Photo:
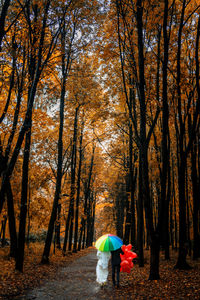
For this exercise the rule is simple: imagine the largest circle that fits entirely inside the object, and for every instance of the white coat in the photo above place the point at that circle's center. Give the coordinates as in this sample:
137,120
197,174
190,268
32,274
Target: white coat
102,266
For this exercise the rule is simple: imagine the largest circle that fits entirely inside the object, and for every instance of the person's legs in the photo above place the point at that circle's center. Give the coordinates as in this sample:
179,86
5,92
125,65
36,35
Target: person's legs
118,270
113,274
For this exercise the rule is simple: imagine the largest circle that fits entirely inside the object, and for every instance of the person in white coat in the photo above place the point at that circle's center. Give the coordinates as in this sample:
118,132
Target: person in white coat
102,267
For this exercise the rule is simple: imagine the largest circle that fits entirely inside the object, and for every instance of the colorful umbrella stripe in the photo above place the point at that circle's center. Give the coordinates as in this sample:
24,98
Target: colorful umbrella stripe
108,242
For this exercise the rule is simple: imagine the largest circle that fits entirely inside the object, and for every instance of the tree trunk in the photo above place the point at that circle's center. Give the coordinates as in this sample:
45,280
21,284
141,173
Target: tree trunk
57,228
78,190
171,224
23,208
28,214
132,175
144,191
70,216
93,217
89,211
188,213
87,206
84,235
66,235
196,196
2,19
196,185
11,78
119,208
66,54
175,225
48,241
3,231
133,221
143,146
19,259
11,221
167,207
154,258
140,219
183,245
174,208
164,203
127,230
80,236
181,158
73,178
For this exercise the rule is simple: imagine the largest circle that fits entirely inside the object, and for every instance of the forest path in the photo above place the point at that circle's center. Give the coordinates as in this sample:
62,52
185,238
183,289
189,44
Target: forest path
76,281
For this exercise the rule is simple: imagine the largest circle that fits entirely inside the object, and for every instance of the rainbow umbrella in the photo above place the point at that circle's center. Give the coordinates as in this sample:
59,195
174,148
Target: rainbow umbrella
108,242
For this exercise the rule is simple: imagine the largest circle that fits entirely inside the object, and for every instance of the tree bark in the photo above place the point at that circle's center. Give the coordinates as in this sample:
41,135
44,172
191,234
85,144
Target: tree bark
196,196
2,19
57,228
11,78
154,258
65,67
119,209
45,255
144,190
70,216
23,207
183,246
181,158
73,179
88,196
143,146
164,203
78,190
3,231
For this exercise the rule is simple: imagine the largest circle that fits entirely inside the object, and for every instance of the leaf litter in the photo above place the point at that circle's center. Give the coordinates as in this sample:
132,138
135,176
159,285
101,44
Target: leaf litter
174,284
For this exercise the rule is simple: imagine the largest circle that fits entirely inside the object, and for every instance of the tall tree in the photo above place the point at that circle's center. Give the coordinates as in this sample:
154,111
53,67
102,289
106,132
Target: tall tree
65,67
165,134
73,178
78,188
4,11
41,62
183,150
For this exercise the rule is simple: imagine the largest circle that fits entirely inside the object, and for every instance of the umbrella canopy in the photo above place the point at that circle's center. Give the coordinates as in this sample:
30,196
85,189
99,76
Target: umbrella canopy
108,242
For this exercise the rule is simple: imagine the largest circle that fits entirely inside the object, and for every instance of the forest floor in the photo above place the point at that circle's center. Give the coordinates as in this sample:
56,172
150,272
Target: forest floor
73,277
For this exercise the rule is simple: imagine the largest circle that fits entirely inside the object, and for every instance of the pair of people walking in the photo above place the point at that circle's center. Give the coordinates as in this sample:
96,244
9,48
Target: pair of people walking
102,266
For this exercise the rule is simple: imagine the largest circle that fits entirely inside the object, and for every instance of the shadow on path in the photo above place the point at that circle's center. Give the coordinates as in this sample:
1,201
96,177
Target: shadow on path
76,281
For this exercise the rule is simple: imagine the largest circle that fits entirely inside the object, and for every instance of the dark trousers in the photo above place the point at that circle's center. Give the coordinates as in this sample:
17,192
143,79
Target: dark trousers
114,269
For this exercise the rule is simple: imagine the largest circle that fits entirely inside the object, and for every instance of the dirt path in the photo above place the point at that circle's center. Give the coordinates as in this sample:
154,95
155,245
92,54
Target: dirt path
75,281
